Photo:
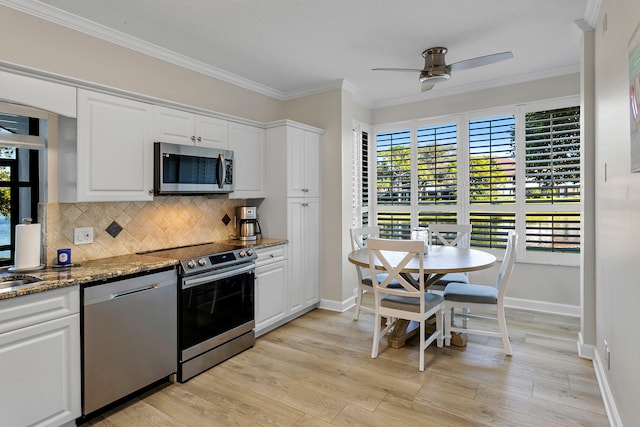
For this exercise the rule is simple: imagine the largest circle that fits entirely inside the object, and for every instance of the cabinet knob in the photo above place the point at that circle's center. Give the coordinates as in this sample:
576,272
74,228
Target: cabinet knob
305,204
193,138
199,139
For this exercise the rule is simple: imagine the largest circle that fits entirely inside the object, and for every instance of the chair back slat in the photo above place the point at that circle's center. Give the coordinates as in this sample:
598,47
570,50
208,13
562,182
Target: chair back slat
360,235
451,234
394,255
508,262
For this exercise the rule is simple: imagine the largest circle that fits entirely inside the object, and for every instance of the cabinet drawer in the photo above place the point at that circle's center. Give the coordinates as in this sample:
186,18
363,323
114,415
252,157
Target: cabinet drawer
19,312
270,255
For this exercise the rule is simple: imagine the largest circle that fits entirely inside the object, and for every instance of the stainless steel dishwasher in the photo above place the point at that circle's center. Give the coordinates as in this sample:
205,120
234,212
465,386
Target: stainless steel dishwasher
129,336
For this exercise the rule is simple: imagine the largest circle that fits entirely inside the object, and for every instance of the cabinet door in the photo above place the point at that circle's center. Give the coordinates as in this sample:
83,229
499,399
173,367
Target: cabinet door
115,150
311,210
175,126
271,294
211,132
312,164
304,252
296,185
41,373
248,145
297,268
303,163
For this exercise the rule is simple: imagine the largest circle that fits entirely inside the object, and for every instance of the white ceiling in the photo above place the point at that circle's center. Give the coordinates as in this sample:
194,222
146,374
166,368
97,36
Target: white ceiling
288,48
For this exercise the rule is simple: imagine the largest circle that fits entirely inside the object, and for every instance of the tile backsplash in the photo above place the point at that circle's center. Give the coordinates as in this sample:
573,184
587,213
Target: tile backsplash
166,222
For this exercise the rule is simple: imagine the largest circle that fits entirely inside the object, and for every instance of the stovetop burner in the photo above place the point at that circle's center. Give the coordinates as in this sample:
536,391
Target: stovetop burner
206,256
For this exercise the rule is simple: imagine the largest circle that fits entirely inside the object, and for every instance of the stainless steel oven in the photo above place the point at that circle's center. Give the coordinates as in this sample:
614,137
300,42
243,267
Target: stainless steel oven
215,305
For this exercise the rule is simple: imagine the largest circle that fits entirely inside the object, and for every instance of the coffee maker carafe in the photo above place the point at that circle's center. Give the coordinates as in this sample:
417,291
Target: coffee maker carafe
247,223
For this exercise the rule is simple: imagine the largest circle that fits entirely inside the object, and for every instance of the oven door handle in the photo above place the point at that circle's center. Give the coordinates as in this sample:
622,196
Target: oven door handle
190,283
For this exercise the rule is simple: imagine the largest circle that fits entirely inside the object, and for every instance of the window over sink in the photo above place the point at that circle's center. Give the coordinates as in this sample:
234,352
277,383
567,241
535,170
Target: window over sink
19,181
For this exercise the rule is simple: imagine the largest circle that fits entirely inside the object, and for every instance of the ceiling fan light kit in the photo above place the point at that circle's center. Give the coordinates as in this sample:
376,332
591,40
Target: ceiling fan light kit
436,69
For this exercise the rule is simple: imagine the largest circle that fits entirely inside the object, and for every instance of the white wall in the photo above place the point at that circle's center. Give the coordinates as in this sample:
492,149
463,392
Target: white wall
617,213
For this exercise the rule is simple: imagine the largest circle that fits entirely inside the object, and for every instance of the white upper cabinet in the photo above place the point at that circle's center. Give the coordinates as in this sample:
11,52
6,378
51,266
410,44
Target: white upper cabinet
181,127
248,146
114,149
303,163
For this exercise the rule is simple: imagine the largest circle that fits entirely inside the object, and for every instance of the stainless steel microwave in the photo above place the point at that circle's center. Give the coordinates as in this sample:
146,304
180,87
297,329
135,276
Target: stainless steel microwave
186,169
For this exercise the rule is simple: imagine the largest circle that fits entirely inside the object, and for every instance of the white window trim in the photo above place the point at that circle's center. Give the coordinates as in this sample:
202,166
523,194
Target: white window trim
463,207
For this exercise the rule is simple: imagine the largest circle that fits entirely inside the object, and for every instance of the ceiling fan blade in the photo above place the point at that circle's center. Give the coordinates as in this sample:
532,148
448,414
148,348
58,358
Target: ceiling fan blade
413,70
424,86
480,61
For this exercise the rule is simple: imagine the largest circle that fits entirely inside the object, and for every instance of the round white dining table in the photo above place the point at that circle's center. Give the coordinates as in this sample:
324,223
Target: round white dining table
439,261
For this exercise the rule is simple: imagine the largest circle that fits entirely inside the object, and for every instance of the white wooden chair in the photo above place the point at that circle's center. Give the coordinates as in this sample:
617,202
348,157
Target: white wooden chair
450,235
404,302
481,298
359,236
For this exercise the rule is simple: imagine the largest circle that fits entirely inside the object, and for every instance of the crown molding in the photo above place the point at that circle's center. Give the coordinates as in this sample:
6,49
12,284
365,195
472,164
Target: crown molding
102,32
57,16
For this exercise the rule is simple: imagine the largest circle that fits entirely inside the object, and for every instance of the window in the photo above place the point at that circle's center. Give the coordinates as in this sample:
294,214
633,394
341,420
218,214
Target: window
552,172
510,168
437,165
393,168
360,175
492,160
18,183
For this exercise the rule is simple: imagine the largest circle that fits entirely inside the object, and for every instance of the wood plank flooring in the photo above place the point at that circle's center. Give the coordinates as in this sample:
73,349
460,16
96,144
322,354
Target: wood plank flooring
317,371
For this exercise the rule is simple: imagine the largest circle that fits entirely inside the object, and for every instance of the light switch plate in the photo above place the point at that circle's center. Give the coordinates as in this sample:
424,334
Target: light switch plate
82,236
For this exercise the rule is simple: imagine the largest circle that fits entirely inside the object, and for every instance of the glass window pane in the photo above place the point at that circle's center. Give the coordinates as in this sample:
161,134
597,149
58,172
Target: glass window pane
553,231
394,225
437,164
7,152
492,165
393,165
5,173
490,228
553,156
5,230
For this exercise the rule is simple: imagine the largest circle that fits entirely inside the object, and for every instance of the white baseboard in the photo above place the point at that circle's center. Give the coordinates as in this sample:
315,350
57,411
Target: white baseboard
586,351
605,391
543,306
339,306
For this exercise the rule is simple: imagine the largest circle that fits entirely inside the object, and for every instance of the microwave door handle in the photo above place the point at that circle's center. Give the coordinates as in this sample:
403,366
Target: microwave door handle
222,172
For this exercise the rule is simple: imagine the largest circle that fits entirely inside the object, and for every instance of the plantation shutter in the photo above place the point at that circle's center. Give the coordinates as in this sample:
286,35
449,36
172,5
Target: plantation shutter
552,160
492,167
552,172
437,165
393,167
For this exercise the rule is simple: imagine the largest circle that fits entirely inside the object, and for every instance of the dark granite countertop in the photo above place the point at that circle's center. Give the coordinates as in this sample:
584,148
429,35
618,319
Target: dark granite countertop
104,269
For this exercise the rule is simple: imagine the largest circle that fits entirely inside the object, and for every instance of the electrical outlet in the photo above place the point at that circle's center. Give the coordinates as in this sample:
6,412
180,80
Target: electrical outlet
82,236
607,355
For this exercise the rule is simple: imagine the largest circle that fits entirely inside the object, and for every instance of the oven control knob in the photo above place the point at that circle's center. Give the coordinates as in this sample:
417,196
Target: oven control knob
201,262
242,254
191,264
249,252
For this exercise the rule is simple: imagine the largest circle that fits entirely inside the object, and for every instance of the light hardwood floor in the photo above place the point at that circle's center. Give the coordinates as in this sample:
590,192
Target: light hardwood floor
317,371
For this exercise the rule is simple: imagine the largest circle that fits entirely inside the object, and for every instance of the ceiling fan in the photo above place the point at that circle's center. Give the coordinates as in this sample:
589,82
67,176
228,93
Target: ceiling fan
436,69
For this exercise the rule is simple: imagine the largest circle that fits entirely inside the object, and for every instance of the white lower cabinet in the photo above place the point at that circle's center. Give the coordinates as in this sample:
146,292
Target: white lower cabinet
271,287
304,237
40,359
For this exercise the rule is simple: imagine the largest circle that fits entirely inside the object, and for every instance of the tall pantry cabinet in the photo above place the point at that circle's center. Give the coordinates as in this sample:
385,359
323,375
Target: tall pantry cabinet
291,207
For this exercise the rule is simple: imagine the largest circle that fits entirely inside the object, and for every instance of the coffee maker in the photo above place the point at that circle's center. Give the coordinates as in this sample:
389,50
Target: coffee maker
247,223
